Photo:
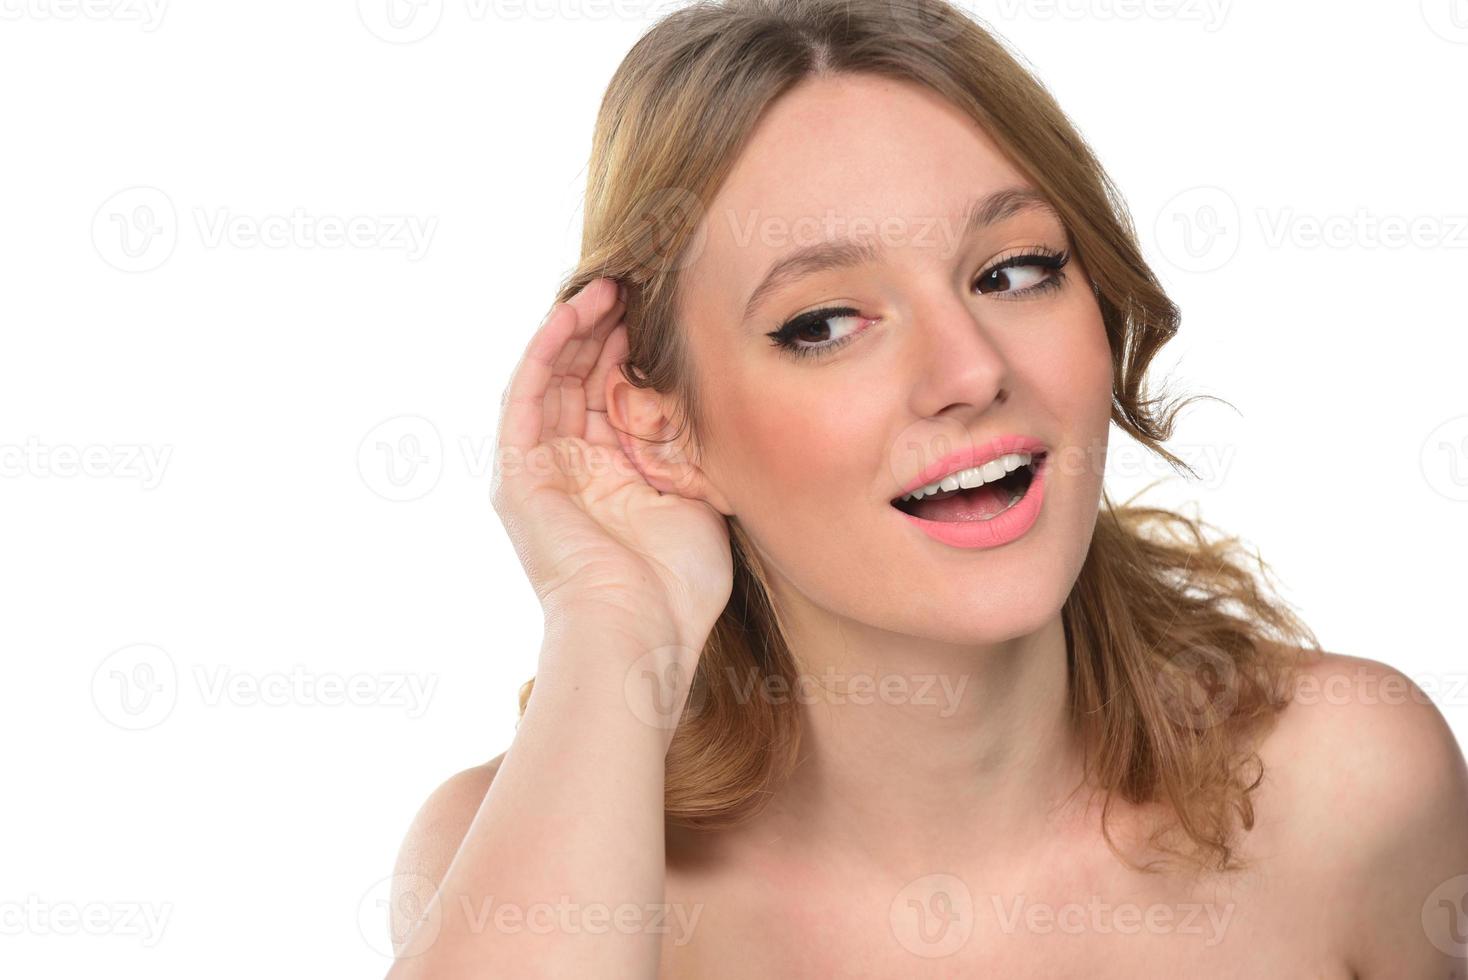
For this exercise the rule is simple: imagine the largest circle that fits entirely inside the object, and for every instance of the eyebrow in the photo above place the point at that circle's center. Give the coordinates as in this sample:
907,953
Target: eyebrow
843,253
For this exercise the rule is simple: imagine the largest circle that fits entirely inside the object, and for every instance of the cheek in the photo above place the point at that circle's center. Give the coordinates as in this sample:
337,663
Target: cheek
1086,406
795,463
1077,373
1090,358
794,452
1094,370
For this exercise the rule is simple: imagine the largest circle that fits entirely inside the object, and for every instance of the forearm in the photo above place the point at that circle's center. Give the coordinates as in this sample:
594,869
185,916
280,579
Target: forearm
564,861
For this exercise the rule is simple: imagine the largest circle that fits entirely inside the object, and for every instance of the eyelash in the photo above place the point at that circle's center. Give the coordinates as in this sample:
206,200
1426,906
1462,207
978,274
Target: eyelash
1040,256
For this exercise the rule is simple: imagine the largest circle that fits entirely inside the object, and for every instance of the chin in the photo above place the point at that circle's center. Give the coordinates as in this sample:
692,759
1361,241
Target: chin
982,618
1000,594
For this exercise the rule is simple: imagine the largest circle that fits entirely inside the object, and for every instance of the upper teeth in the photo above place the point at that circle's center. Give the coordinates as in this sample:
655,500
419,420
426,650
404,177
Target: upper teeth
973,477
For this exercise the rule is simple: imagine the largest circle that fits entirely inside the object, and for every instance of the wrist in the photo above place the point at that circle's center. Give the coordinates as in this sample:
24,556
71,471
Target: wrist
617,623
614,679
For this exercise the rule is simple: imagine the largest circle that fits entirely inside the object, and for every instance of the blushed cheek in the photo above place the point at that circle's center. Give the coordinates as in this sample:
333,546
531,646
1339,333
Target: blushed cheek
1094,354
753,445
786,457
1091,394
763,447
794,468
1096,370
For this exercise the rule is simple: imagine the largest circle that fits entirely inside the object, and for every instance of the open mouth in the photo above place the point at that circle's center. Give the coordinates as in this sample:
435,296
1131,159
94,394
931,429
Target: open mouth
984,501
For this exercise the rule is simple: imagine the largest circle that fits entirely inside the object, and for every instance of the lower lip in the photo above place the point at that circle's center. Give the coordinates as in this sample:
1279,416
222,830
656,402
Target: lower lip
1002,529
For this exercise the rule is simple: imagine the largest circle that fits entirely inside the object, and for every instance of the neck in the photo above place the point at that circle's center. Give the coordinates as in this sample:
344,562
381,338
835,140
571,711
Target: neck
913,750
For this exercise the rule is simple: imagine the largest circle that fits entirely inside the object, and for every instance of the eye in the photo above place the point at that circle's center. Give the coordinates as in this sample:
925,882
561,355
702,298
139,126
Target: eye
817,323
1037,270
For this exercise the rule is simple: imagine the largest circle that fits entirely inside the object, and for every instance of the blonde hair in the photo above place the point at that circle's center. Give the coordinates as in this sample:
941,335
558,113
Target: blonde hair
1159,602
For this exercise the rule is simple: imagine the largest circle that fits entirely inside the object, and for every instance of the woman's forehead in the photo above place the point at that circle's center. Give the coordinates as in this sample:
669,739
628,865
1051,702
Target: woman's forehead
848,160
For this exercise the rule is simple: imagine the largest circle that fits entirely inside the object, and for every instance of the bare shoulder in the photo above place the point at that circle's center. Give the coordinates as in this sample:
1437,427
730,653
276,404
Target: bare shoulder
1375,792
1363,730
432,841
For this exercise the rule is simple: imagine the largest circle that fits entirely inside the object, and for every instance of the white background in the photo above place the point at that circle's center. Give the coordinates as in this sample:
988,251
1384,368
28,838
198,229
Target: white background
172,628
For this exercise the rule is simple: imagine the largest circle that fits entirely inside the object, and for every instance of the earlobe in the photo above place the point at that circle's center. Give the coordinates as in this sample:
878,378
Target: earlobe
688,480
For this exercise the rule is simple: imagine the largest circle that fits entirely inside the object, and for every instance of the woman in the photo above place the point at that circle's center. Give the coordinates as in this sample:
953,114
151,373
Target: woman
851,667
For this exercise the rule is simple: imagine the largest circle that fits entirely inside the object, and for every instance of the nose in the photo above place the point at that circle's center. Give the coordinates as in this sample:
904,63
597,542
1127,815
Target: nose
958,363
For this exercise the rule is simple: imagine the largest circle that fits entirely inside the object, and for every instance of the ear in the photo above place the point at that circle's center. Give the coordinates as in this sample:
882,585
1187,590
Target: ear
643,422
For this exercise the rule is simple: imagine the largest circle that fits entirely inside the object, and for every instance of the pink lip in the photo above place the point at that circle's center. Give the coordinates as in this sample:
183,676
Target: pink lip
1002,529
971,456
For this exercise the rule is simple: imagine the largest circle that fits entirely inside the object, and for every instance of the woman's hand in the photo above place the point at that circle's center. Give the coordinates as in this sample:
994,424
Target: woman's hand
595,538
631,582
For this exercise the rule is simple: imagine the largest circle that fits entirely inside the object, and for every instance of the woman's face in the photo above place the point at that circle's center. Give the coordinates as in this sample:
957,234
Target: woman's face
808,448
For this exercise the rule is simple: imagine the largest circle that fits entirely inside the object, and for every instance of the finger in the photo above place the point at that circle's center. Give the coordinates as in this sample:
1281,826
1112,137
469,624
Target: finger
579,358
590,303
531,405
566,395
550,417
523,409
574,387
613,353
584,358
572,414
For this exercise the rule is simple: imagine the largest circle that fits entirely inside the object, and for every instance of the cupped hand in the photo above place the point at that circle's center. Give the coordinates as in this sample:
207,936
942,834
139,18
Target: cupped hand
598,541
